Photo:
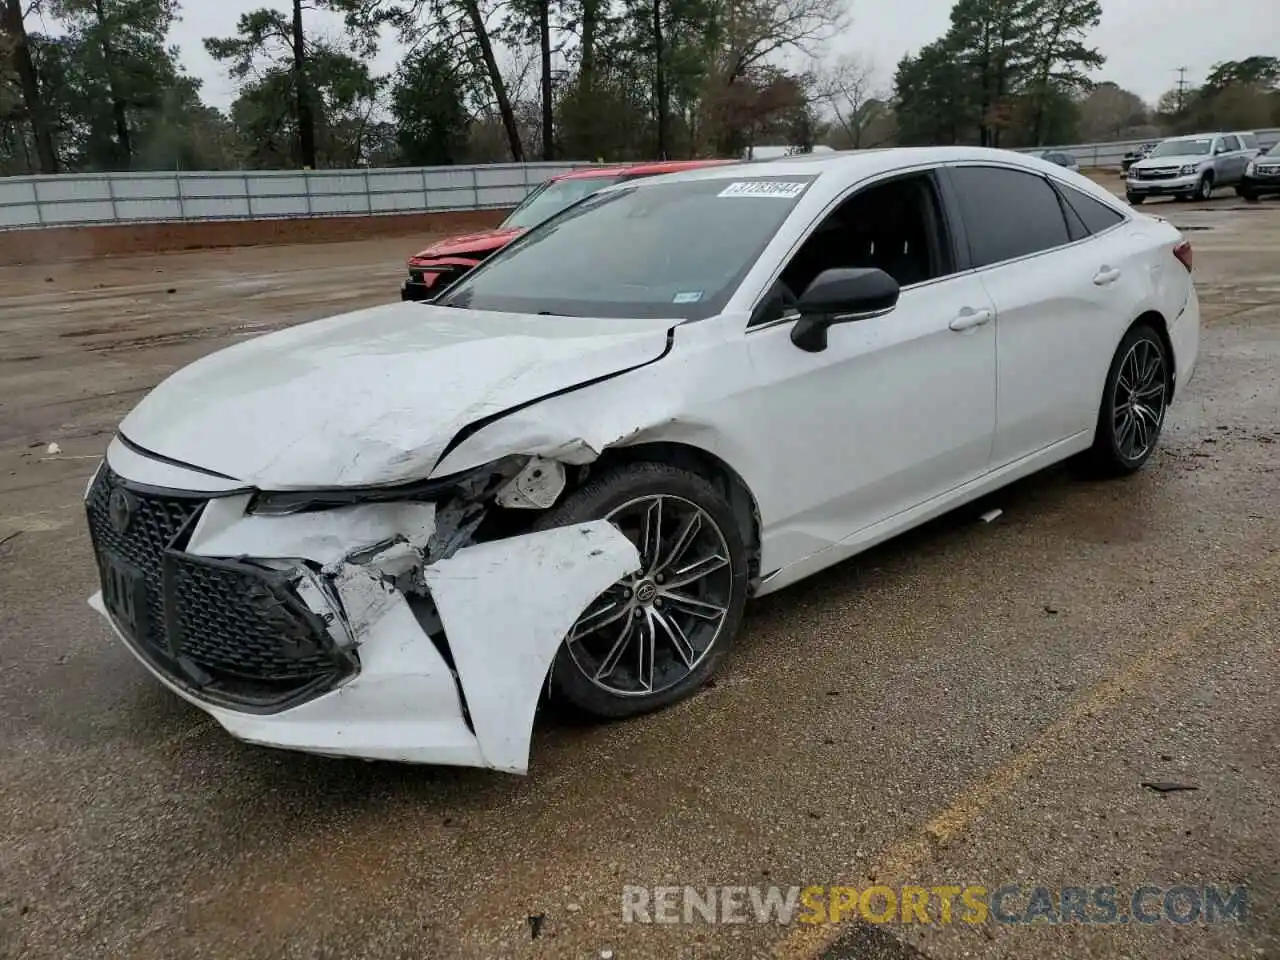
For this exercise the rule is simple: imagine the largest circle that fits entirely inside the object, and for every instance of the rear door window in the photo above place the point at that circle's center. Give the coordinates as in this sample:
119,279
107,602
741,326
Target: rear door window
1008,213
1094,214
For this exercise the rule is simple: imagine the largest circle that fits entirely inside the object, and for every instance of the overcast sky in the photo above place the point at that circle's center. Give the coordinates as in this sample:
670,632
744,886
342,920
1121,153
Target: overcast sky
1144,41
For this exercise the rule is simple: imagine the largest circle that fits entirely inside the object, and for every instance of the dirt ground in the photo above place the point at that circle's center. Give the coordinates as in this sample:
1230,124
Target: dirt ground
974,703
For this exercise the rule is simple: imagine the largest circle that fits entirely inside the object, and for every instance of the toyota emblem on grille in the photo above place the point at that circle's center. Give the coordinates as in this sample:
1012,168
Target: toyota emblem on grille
120,509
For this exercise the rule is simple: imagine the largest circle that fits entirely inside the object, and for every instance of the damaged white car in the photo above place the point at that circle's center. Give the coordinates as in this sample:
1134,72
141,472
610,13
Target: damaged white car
390,534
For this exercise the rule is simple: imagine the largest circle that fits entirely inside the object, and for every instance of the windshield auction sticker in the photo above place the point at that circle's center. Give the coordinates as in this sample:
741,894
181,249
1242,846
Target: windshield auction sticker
780,189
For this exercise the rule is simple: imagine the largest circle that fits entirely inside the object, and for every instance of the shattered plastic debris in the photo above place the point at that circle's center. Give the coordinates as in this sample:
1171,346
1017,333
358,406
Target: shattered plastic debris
991,515
53,449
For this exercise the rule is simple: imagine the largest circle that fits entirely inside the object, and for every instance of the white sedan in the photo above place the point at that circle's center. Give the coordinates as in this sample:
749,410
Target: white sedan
390,534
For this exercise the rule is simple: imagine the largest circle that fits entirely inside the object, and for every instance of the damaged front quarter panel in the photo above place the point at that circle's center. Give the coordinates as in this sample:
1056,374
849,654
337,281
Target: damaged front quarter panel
506,606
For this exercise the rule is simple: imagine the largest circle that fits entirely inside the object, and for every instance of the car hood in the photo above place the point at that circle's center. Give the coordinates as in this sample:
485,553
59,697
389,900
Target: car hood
485,241
1148,163
374,396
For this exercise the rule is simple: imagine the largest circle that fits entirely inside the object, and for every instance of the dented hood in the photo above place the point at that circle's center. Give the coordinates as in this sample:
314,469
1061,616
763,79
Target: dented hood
469,244
375,396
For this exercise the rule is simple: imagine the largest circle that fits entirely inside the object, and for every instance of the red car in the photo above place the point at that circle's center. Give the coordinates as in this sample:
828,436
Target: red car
443,262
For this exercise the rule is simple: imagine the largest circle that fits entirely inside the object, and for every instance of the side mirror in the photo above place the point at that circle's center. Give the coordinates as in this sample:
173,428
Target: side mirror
1220,148
841,295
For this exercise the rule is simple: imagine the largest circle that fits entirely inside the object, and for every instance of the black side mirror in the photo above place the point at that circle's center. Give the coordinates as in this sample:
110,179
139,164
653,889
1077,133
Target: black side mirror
841,295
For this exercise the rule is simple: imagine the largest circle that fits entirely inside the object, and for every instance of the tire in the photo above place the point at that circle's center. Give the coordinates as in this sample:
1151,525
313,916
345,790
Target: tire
626,494
1249,196
1204,190
1134,199
1115,451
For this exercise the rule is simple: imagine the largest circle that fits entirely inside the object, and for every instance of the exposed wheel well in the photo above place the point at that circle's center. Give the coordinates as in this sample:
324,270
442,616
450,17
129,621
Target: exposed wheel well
1157,322
708,465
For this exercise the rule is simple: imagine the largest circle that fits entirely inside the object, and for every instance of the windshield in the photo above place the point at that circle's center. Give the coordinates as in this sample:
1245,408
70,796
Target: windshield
1272,151
549,199
1189,147
653,249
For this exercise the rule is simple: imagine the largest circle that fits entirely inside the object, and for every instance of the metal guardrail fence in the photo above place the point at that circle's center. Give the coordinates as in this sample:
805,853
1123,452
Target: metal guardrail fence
90,199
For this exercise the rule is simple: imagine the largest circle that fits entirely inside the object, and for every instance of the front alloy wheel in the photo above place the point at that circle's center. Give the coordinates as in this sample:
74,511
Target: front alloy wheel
649,631
658,634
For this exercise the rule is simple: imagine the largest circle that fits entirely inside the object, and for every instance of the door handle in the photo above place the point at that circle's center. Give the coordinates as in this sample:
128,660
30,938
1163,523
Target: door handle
1106,275
968,318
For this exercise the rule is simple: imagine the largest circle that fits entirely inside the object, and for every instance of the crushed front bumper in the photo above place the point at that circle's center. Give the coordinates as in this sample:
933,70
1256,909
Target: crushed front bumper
360,644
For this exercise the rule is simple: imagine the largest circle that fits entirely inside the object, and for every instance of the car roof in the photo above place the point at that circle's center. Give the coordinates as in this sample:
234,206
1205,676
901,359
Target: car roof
860,163
647,169
833,172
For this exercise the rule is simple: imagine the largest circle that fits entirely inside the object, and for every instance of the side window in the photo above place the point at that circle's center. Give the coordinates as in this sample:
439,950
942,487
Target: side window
1008,213
895,226
1232,143
1095,214
1249,141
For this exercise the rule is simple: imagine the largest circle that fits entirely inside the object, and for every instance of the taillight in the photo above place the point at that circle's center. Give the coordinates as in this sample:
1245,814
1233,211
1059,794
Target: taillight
1183,252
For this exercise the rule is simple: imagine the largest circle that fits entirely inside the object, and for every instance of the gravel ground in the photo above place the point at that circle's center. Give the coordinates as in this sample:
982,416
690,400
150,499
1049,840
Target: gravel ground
973,703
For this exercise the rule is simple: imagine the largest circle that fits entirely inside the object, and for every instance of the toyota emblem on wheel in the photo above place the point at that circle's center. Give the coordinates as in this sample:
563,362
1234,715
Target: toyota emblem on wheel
120,508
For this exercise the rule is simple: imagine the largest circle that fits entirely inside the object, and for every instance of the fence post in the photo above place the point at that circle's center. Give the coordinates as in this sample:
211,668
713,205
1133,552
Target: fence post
426,191
182,202
111,192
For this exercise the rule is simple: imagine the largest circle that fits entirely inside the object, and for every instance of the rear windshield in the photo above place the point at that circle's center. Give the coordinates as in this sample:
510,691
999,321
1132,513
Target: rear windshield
653,248
1183,148
549,199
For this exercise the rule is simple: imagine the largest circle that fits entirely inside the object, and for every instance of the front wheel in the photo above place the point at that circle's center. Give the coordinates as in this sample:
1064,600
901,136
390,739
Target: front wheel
1205,189
1134,199
1134,399
656,636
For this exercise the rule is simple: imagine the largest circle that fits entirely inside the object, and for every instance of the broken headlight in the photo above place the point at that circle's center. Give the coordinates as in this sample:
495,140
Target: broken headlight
469,484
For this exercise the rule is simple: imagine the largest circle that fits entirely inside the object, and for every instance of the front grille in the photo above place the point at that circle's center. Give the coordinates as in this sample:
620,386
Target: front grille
1267,171
1157,174
228,631
155,523
240,621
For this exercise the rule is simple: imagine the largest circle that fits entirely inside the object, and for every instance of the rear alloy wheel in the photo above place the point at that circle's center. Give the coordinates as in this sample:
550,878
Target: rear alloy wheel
656,635
1133,403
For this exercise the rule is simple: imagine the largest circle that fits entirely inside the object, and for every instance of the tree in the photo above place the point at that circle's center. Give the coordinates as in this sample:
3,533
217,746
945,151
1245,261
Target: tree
428,100
1109,112
1261,72
1059,59
932,98
279,40
846,90
459,25
993,40
23,65
120,70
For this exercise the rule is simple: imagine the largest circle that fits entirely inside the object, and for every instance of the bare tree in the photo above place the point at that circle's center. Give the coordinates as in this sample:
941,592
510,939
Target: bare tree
846,89
1110,112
